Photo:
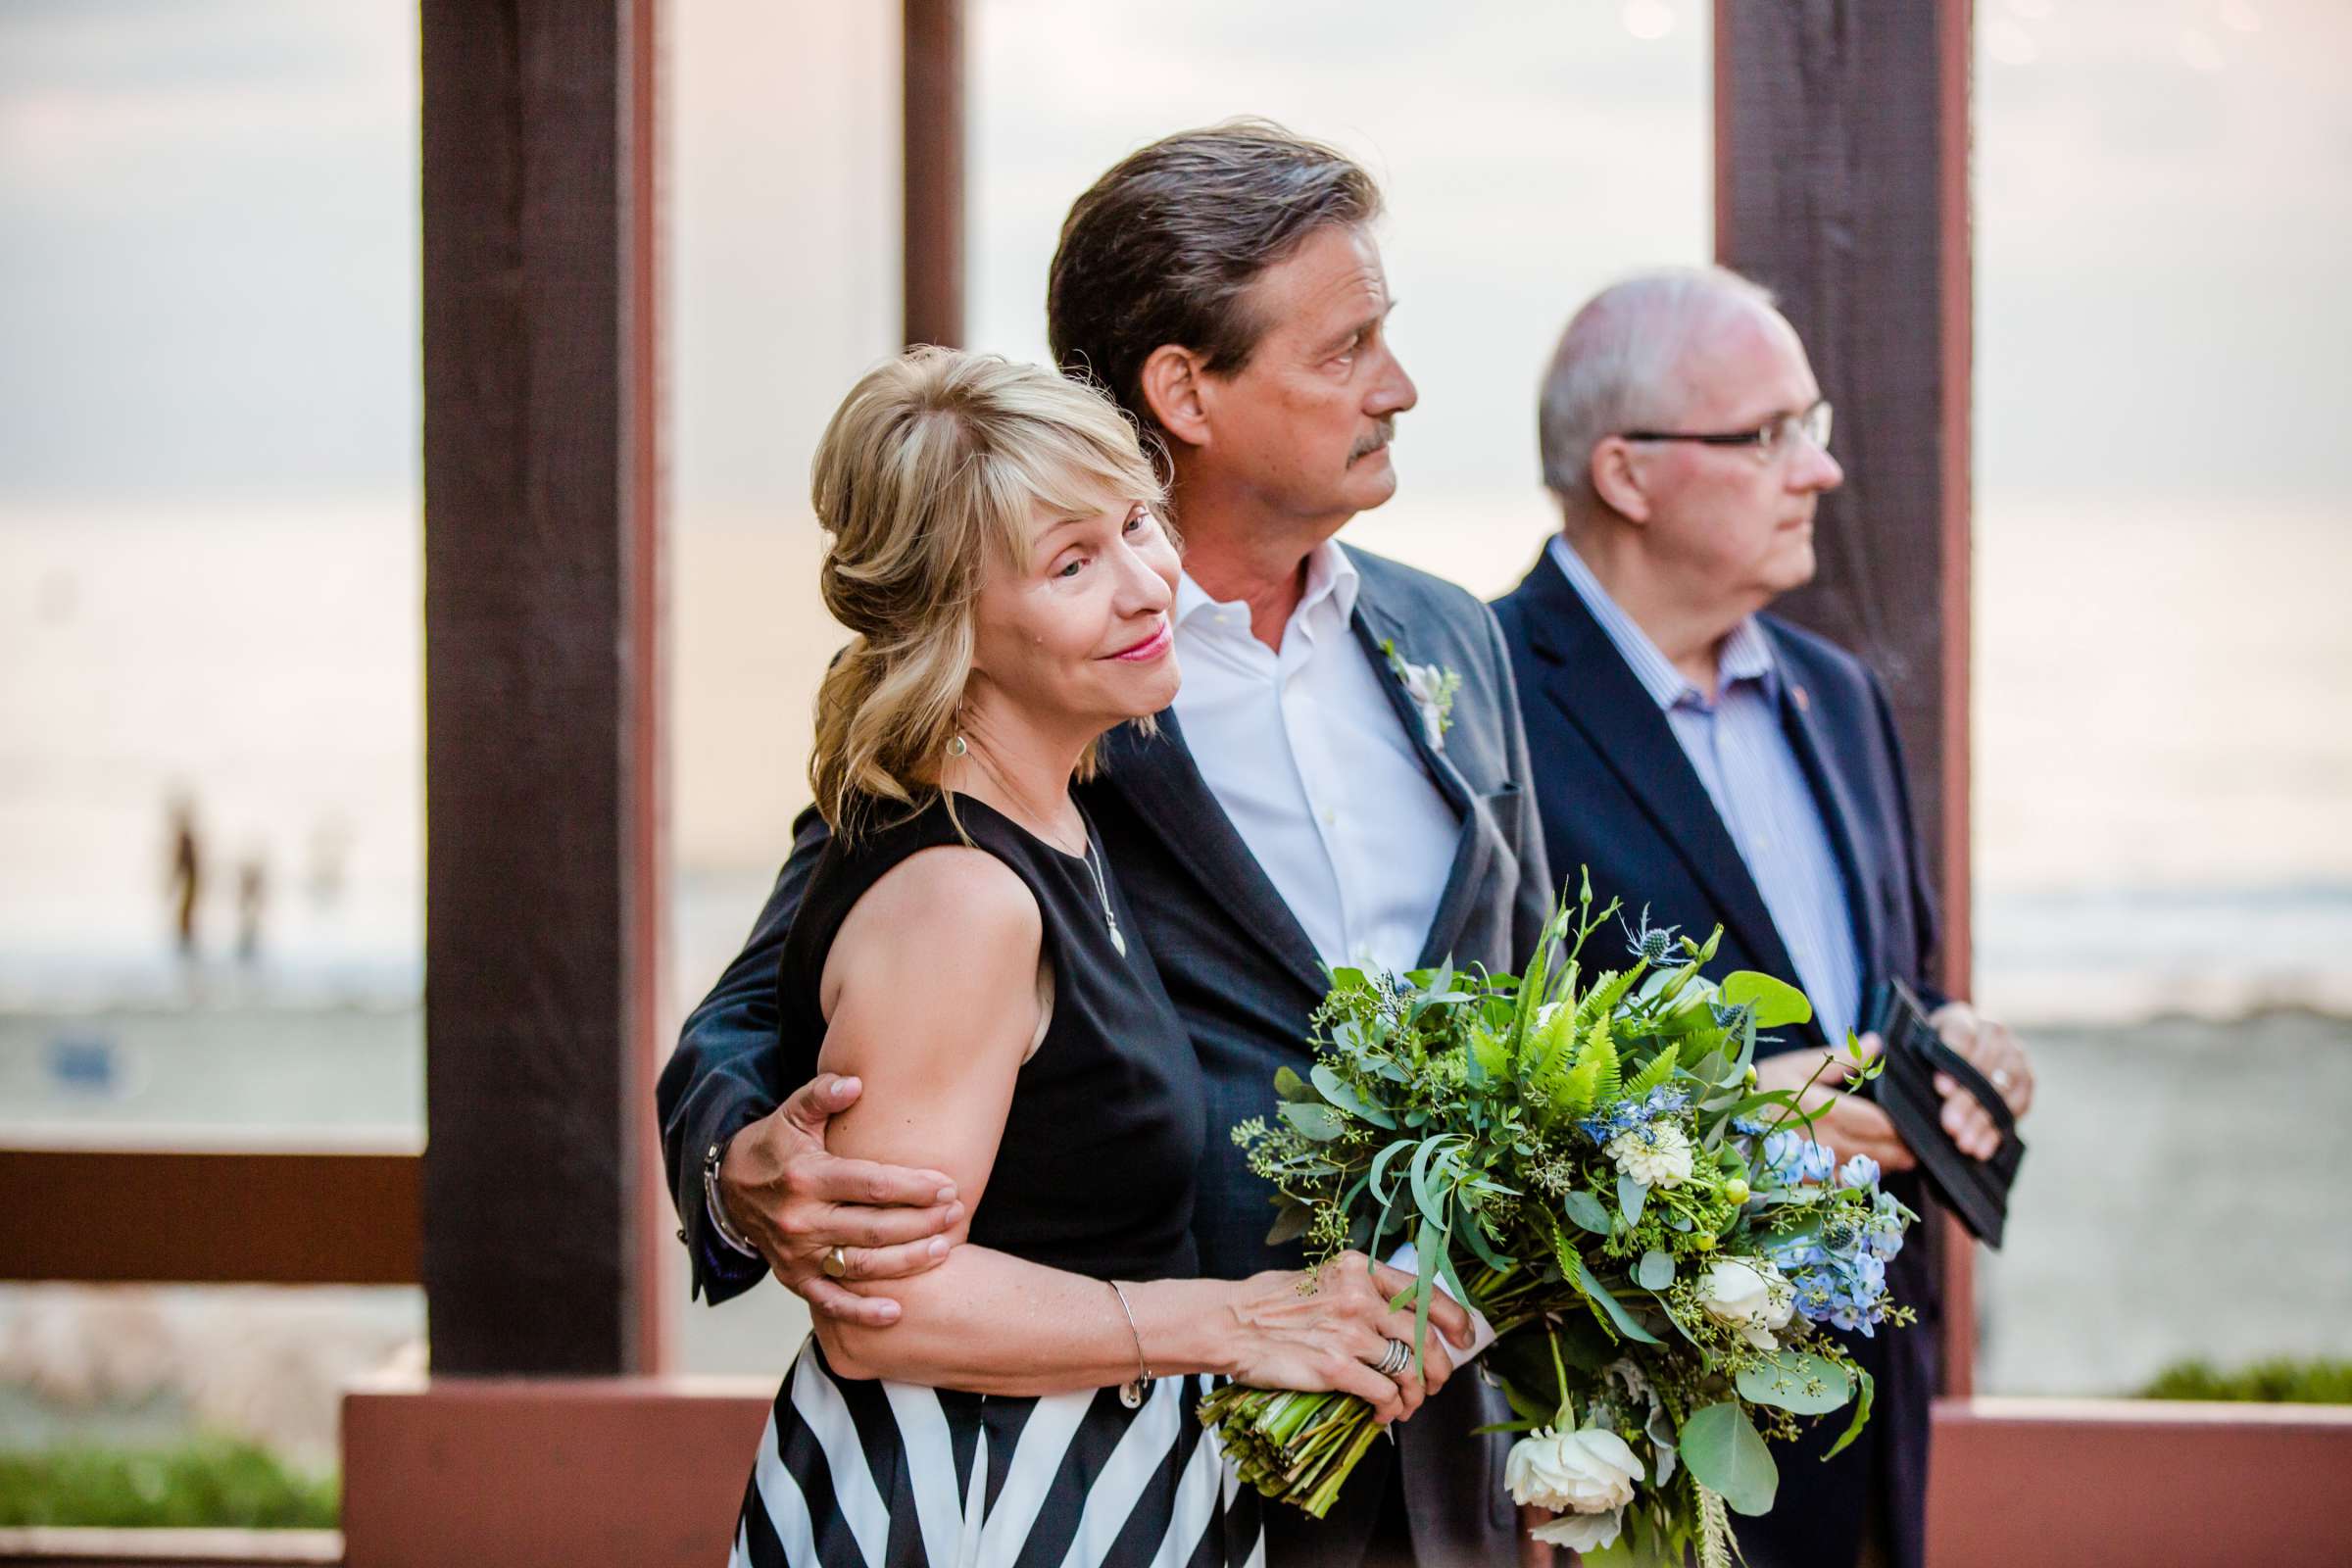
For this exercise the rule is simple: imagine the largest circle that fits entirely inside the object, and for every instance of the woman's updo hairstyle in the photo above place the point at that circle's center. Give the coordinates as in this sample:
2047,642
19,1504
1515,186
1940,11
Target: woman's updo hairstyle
936,461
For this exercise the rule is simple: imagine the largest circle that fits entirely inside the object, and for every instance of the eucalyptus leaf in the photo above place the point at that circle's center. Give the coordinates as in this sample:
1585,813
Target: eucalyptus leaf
1317,1121
1626,1322
1290,1224
1656,1271
1798,1380
1339,1093
1425,1196
1290,1086
1853,1428
1432,1248
1586,1210
1630,1196
1727,1455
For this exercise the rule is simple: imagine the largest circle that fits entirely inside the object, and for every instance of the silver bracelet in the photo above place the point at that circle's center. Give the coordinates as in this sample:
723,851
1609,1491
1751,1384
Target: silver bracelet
717,1209
1133,1392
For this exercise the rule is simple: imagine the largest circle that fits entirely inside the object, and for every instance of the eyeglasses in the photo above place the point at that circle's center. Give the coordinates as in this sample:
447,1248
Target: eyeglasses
1771,440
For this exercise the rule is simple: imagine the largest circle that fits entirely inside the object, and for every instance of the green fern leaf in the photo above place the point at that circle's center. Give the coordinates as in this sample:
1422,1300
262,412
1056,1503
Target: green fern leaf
1660,1069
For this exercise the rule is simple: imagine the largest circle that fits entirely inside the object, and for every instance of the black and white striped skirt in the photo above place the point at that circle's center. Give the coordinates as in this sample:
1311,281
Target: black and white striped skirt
896,1475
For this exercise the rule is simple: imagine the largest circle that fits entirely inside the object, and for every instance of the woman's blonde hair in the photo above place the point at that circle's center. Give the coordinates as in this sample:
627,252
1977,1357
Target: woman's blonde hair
935,462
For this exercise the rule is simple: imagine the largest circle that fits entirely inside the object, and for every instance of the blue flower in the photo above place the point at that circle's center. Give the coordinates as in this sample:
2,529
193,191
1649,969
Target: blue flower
1793,1158
1651,943
1633,1115
1859,1171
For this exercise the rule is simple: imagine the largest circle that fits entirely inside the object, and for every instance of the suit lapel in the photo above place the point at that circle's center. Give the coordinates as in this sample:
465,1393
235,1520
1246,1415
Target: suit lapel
1160,780
1585,676
1474,846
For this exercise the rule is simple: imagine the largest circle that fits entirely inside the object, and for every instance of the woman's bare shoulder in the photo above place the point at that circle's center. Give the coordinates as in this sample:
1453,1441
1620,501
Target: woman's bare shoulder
952,918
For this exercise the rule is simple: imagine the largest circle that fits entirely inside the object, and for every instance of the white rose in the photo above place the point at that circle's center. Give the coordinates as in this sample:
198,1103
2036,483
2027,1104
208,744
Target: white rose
1582,1532
1658,1155
1753,1297
1587,1471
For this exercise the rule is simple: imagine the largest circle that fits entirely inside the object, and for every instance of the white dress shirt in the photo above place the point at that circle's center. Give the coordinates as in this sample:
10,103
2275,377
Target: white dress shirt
1310,761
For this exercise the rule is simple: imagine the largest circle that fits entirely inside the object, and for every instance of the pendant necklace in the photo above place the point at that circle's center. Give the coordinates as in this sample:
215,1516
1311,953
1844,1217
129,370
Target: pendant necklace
1102,891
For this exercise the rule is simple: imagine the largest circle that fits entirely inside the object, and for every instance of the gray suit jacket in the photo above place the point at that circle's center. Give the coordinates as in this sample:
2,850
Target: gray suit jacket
1245,978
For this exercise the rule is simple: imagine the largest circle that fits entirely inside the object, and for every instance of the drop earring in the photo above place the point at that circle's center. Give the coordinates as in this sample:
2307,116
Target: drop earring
956,746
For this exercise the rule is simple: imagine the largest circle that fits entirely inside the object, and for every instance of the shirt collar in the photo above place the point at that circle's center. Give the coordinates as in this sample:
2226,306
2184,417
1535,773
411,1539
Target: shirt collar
1745,655
1330,575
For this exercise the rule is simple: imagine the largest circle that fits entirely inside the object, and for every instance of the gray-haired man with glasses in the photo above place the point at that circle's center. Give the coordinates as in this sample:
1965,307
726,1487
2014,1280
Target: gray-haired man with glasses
1726,769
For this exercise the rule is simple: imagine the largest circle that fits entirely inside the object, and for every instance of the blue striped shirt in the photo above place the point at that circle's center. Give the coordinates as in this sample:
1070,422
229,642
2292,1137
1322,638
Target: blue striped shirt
1742,756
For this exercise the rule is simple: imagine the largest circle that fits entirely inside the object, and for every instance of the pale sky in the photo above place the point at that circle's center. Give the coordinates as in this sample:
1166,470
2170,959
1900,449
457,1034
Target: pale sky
208,237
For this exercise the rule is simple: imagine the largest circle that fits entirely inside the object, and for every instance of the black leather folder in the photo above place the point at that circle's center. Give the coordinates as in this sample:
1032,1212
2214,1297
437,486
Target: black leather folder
1977,1190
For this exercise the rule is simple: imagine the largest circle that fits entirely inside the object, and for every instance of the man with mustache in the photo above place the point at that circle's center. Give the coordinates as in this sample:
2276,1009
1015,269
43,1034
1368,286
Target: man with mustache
1309,800
1726,769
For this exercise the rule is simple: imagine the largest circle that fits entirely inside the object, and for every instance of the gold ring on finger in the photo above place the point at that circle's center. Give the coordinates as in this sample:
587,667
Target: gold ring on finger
837,1262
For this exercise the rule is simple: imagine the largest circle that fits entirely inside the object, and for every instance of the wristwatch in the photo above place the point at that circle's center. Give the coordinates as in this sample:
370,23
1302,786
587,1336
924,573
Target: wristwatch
716,1210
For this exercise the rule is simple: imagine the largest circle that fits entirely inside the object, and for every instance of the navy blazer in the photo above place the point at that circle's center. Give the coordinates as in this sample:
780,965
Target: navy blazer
1617,795
1245,978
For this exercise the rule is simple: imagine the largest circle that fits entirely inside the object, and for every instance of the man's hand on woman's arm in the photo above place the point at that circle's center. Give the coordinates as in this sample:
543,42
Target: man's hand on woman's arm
730,1083
795,1202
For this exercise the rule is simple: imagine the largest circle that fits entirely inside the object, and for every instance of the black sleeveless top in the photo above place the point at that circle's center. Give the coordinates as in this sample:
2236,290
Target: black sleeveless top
1103,1138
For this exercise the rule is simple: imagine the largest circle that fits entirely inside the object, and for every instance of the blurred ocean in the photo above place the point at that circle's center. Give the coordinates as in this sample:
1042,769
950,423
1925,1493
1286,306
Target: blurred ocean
2163,796
2164,816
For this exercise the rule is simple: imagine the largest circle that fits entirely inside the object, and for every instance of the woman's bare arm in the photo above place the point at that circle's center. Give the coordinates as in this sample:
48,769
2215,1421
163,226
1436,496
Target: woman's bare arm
930,997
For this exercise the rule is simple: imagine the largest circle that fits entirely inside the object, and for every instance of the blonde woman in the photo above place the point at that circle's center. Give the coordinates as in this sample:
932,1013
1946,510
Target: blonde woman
963,949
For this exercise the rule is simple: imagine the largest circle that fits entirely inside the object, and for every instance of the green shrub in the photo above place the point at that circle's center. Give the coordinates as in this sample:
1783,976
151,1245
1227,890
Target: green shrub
207,1482
2283,1381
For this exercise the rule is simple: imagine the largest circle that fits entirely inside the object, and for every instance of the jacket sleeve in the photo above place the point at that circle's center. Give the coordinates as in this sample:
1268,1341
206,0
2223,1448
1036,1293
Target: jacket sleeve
1926,912
732,1067
1531,902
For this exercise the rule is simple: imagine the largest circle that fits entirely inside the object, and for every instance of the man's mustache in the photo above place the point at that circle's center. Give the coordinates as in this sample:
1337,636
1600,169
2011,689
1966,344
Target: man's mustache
1382,434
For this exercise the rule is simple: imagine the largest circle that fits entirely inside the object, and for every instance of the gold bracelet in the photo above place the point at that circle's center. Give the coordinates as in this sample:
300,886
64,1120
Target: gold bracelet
1132,1394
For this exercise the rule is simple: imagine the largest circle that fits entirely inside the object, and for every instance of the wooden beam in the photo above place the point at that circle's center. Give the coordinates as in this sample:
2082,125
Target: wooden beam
933,238
1841,134
542,698
209,1217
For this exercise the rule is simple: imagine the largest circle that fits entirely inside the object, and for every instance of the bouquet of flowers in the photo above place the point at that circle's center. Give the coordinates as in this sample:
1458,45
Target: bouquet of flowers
1584,1160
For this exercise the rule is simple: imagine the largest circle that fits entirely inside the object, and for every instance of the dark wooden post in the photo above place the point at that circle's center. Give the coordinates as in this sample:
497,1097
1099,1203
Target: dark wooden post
1842,137
544,870
933,241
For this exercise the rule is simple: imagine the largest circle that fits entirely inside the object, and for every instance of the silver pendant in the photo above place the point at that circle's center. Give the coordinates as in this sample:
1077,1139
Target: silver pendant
1132,1391
1119,942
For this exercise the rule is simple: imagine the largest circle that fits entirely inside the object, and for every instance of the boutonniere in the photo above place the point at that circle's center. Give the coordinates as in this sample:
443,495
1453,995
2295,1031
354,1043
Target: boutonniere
1432,690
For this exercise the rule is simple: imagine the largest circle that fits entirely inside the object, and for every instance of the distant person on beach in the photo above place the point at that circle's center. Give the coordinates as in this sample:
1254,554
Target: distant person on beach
1731,769
253,904
185,883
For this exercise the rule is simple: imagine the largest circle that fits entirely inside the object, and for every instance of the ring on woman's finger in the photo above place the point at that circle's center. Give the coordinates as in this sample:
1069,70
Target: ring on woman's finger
2000,1079
837,1264
1394,1359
